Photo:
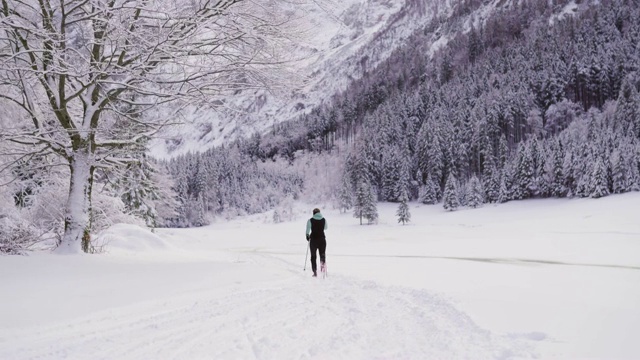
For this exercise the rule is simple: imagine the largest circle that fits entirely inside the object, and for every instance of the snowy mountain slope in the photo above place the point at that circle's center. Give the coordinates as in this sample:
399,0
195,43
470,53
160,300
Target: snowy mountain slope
334,35
344,42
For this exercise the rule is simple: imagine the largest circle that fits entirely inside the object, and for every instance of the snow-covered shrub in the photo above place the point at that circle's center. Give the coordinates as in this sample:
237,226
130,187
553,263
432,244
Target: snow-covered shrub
11,242
284,211
276,217
47,209
109,210
16,235
47,206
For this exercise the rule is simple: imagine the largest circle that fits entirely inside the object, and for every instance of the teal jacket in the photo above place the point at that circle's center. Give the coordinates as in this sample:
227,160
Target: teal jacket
317,216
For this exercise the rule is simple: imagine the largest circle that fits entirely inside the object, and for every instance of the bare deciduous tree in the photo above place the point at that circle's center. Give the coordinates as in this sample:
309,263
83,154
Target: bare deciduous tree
94,78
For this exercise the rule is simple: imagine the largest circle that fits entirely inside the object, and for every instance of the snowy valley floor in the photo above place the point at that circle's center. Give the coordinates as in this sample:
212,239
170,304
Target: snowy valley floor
531,279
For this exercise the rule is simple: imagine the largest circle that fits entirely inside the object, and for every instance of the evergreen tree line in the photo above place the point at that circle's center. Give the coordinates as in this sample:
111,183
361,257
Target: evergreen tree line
515,55
227,181
554,111
597,154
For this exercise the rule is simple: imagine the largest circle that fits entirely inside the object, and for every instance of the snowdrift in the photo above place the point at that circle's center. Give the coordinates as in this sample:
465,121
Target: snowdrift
130,239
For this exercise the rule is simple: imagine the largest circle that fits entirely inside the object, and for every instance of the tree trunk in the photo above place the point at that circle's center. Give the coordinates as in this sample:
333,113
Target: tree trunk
77,222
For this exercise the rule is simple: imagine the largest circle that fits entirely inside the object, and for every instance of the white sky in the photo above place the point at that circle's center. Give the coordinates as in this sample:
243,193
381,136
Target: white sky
538,278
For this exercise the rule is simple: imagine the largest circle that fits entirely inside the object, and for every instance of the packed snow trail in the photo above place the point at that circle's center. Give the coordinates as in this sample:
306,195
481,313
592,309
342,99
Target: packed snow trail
558,277
298,317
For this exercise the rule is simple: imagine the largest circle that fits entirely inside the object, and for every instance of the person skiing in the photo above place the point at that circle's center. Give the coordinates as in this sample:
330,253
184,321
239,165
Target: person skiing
316,238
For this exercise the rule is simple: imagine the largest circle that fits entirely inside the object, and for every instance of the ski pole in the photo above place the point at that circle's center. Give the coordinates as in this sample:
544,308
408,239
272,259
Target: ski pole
305,258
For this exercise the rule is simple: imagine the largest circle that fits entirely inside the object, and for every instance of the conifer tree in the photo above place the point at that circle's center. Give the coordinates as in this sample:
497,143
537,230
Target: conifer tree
555,173
503,151
402,185
201,179
492,184
633,164
390,175
540,185
357,167
428,193
371,208
627,113
345,194
584,183
138,188
365,203
429,153
506,184
524,173
568,172
462,194
451,197
404,216
165,200
619,172
598,184
475,193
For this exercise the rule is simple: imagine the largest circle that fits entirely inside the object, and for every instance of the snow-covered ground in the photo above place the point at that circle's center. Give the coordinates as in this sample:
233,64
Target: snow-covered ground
539,278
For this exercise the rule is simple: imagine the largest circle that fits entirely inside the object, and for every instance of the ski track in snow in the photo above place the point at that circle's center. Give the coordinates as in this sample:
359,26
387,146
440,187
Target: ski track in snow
298,317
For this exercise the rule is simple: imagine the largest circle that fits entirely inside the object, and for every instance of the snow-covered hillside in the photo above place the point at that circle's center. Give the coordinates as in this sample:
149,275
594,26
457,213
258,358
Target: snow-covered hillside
341,42
526,279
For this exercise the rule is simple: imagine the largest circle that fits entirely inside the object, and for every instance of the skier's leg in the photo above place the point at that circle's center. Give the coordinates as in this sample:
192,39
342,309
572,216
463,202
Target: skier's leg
313,248
323,266
322,247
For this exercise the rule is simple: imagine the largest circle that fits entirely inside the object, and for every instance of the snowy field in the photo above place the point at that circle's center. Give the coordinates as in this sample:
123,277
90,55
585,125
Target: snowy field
533,279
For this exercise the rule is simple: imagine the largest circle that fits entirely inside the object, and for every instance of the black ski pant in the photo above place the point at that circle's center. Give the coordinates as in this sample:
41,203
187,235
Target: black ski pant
319,245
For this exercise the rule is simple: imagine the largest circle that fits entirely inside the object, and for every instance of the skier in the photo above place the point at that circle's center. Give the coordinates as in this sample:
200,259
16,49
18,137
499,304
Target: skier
317,241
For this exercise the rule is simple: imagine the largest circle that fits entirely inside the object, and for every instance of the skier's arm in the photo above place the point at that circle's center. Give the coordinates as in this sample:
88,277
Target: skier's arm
326,226
308,228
